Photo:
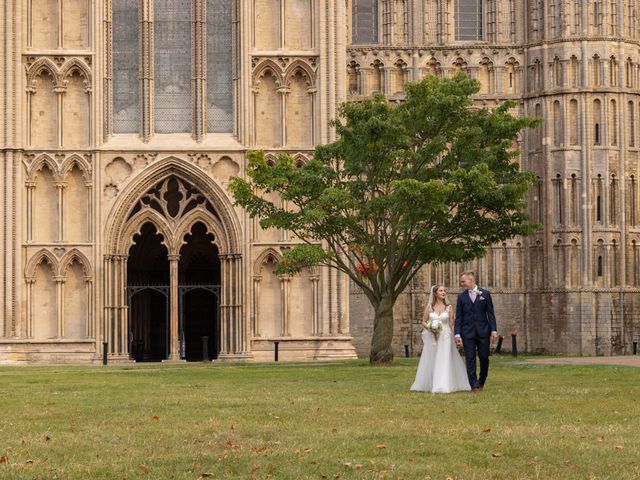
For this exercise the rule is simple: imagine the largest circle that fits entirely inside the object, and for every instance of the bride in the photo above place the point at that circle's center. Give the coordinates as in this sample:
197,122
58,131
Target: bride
441,369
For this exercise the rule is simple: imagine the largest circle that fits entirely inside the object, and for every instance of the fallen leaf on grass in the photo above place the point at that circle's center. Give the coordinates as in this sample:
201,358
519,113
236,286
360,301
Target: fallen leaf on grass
156,417
29,462
619,447
4,459
334,430
205,475
486,430
144,468
381,446
496,455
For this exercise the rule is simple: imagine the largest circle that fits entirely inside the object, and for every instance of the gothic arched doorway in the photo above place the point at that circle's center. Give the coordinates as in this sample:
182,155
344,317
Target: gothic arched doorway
201,240
199,295
147,296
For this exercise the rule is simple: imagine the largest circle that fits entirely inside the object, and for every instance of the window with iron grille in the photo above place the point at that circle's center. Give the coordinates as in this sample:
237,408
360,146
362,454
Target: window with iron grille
364,19
177,90
468,20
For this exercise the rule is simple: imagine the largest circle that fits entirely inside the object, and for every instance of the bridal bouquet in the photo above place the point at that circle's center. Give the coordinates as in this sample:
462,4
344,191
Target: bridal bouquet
435,326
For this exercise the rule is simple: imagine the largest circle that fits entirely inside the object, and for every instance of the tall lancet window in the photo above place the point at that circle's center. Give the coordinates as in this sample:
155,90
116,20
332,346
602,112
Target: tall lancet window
364,21
468,18
126,66
219,70
173,69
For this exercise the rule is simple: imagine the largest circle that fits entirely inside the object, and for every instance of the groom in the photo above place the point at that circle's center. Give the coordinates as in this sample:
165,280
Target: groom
475,324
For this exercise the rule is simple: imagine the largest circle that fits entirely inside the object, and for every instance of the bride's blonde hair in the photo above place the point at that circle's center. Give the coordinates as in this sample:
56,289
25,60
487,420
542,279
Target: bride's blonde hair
433,298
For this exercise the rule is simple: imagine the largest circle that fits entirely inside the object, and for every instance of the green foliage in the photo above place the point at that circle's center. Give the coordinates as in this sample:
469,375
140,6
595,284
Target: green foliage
429,180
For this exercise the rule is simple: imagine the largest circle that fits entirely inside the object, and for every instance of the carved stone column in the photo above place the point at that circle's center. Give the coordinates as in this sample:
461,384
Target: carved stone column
174,344
283,91
29,327
60,186
59,91
147,70
225,347
256,304
607,265
89,186
199,70
88,288
316,324
31,90
115,322
31,185
284,301
60,306
343,304
234,331
240,327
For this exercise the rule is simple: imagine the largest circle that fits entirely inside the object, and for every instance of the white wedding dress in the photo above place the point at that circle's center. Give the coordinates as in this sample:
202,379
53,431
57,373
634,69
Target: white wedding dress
441,369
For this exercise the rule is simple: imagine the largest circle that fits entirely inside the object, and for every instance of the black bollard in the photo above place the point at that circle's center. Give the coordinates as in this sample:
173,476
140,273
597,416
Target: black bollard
205,349
406,351
275,350
499,345
514,345
105,347
635,347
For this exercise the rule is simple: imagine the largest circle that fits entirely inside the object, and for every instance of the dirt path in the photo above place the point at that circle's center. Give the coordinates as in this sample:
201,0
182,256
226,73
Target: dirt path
624,360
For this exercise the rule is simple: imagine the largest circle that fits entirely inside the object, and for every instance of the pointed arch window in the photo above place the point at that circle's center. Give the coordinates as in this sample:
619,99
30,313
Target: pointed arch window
364,21
126,66
468,20
157,81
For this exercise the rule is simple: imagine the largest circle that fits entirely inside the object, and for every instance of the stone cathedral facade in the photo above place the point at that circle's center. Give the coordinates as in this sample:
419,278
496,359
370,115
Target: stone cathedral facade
121,122
574,287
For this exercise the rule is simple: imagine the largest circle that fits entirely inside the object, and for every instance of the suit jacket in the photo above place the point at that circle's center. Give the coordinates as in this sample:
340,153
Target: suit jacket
474,318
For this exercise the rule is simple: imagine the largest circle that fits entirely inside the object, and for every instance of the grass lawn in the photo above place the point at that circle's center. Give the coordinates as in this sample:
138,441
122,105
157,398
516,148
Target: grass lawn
294,421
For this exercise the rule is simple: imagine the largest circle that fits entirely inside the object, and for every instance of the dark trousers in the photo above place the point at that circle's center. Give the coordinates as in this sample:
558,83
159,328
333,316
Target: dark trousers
479,345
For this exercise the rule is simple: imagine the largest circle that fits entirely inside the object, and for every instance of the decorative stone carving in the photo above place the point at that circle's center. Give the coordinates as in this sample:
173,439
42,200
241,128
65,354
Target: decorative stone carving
118,170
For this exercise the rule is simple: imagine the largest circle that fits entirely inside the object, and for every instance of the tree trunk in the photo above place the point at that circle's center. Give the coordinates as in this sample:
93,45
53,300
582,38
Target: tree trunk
381,351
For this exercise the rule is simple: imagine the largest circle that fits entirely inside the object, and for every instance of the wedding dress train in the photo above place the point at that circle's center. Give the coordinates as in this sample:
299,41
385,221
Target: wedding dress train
441,369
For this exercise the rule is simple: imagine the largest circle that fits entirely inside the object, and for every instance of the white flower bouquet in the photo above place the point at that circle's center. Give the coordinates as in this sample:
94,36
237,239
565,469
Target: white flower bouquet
435,326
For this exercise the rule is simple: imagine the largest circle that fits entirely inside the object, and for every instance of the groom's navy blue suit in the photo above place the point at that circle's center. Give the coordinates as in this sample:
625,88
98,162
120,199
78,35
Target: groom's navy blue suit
474,323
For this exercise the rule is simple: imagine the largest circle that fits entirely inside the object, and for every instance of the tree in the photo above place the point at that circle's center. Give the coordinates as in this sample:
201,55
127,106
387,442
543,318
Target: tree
429,180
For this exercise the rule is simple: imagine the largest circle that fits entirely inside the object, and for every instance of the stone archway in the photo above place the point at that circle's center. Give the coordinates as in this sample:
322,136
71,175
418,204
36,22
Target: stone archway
179,201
